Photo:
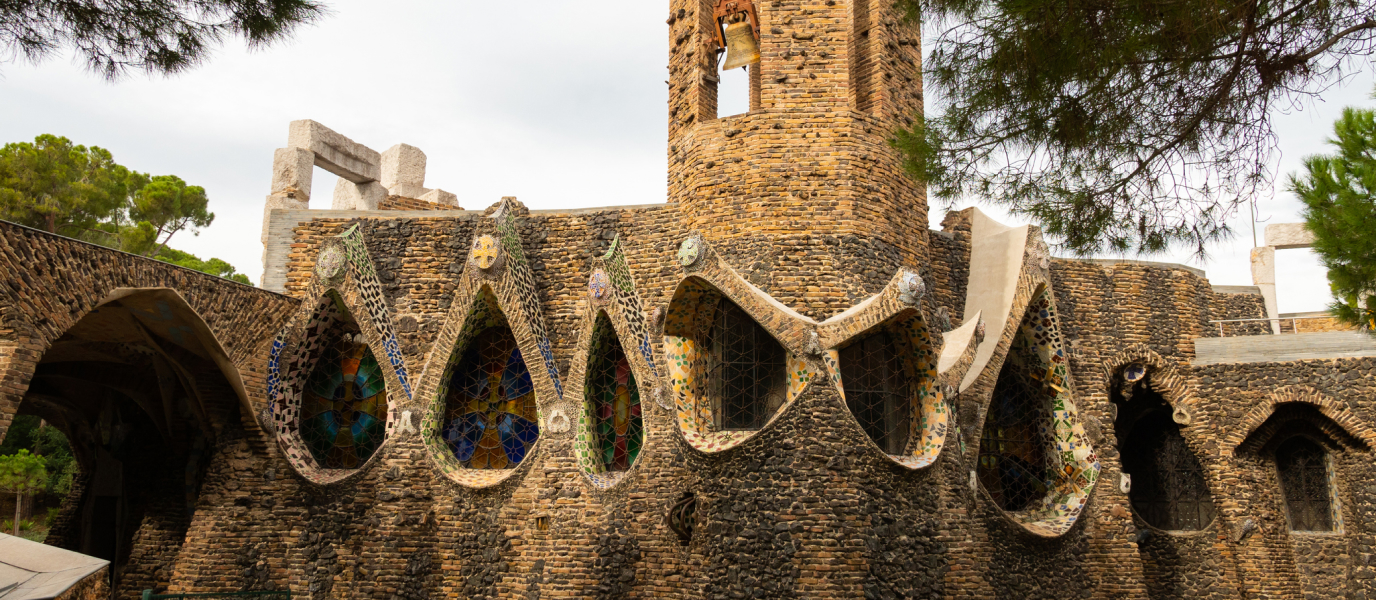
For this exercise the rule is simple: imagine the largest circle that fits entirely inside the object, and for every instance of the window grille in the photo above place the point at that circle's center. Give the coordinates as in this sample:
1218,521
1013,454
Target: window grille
613,402
491,420
877,390
1013,461
344,403
747,375
1303,469
1169,489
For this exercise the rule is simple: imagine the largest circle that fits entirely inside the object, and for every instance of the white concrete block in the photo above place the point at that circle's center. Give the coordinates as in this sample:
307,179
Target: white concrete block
292,172
358,196
403,165
406,190
1286,236
441,197
335,153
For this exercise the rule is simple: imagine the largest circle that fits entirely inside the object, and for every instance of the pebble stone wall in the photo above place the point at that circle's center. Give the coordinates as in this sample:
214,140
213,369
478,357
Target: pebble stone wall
805,208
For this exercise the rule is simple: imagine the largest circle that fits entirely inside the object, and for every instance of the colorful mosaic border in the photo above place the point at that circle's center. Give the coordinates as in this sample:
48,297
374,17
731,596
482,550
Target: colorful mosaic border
287,372
1076,468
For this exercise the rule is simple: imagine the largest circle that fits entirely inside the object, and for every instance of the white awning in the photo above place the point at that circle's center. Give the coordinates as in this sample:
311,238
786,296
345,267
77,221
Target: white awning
34,571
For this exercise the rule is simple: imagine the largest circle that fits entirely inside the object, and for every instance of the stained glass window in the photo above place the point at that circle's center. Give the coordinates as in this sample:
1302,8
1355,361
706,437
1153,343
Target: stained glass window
877,390
1015,464
1303,469
491,419
613,401
747,376
344,404
1169,490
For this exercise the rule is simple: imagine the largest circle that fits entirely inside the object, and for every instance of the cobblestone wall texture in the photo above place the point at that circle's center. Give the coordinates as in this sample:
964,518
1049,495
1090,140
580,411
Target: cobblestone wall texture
807,207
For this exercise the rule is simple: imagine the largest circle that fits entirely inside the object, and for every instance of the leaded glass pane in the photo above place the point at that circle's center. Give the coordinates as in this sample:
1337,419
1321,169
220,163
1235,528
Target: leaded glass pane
344,403
877,390
747,375
614,402
1015,465
1169,489
491,419
1303,471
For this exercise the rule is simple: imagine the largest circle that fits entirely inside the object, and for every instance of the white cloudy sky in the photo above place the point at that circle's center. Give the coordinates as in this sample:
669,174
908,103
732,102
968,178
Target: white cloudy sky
558,103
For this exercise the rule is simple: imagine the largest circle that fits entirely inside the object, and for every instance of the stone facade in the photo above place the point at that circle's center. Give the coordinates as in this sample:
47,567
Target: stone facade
797,216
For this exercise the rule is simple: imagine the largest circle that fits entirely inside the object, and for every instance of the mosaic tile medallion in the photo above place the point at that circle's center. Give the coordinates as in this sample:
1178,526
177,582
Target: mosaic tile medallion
487,254
690,251
600,287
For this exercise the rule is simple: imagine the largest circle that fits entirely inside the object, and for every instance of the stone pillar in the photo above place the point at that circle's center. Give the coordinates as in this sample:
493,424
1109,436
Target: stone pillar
1264,277
403,171
358,196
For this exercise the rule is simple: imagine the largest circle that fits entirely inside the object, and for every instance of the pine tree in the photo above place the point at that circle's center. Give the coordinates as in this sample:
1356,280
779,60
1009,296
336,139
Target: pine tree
1339,194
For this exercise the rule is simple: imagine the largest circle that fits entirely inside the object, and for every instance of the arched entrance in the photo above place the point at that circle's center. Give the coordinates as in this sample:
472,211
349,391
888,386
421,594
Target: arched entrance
144,392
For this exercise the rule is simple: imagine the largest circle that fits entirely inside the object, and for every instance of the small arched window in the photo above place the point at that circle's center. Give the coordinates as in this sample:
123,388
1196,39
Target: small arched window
491,419
877,390
747,377
344,401
618,429
1169,490
1303,469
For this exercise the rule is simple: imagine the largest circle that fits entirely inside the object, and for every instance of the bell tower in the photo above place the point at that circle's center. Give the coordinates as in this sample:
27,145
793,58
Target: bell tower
810,164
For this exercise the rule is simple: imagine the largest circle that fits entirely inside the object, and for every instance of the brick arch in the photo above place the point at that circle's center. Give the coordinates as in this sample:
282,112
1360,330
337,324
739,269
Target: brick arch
1165,379
1253,430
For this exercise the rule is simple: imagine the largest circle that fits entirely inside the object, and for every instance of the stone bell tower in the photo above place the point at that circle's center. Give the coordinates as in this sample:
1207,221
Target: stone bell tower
809,166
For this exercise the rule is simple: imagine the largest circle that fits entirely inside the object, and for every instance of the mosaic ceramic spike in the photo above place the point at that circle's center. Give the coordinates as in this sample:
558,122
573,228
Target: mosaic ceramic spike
370,289
628,302
528,298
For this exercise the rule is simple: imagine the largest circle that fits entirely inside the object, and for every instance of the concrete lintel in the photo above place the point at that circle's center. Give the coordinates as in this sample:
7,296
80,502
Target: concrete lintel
1287,236
335,153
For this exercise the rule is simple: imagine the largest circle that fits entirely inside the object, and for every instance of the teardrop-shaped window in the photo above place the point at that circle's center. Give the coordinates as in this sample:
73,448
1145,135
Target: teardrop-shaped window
1016,464
491,419
746,374
613,401
877,389
344,400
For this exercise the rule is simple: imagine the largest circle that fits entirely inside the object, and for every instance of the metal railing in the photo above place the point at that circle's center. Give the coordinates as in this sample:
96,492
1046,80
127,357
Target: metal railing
264,595
1294,326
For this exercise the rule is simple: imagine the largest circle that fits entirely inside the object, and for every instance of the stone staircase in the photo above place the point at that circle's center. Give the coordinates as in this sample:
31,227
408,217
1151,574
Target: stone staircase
1283,348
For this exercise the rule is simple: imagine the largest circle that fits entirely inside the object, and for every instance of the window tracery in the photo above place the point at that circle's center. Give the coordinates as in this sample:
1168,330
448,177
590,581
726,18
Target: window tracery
878,390
491,418
746,373
344,400
1302,466
613,400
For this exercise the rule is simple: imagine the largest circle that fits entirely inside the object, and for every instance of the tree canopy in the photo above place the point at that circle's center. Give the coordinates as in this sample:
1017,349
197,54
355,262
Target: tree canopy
59,187
116,36
1339,194
63,188
1120,126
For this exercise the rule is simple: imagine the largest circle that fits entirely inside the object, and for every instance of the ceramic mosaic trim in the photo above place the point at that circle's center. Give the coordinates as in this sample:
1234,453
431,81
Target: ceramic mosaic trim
1073,467
689,317
625,314
370,290
528,301
286,393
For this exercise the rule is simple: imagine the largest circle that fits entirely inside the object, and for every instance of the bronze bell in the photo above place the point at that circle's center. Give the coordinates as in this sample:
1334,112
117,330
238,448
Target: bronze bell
741,46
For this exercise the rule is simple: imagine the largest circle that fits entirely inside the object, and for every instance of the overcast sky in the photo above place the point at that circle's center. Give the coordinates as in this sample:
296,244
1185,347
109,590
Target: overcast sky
559,103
